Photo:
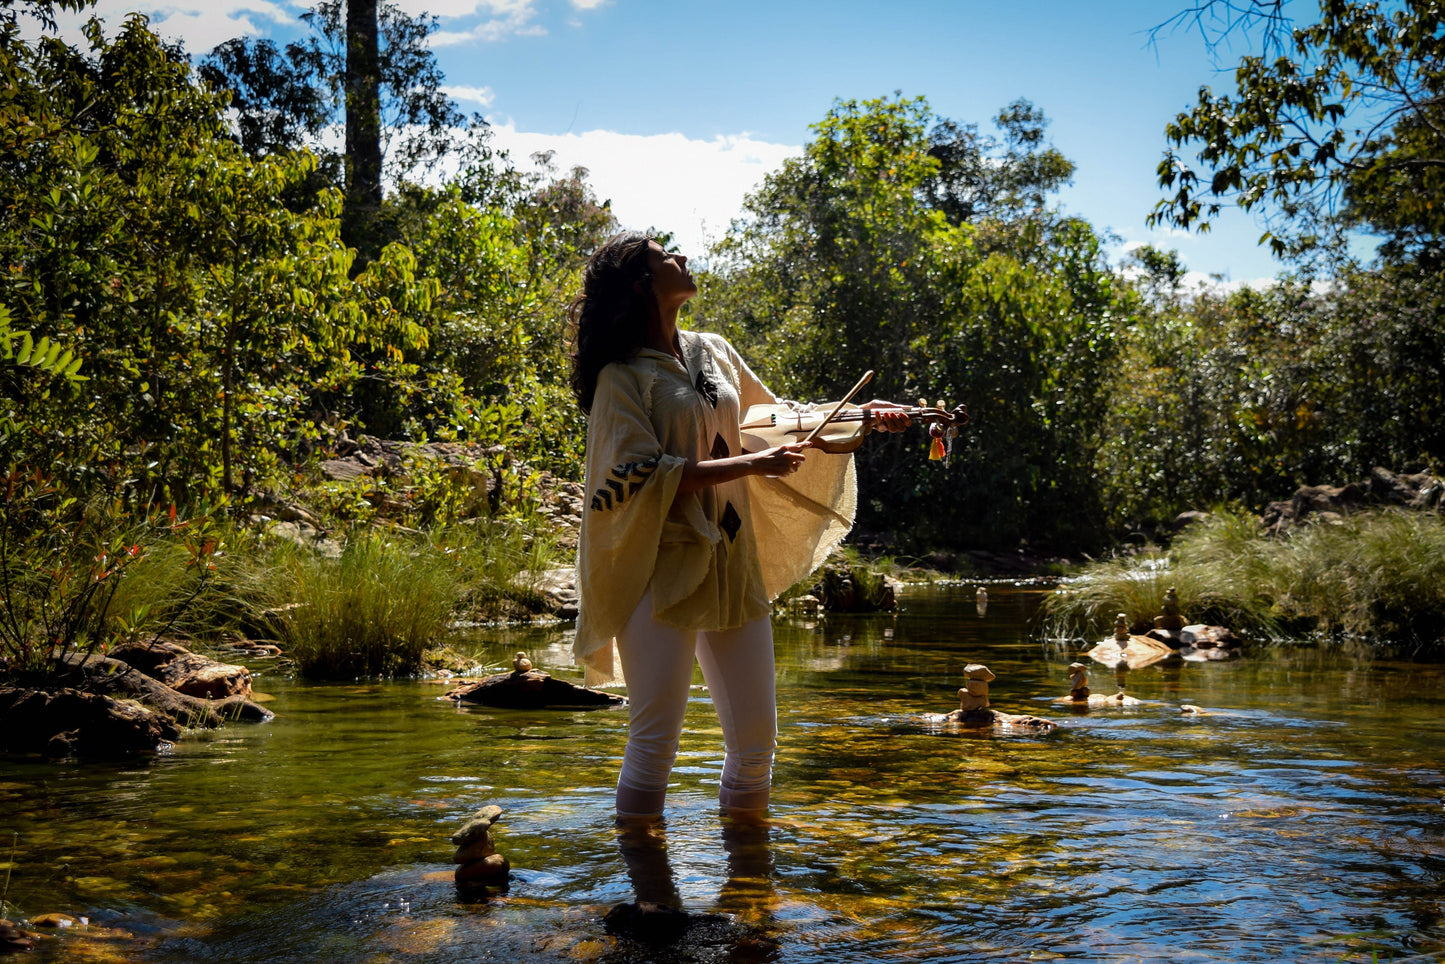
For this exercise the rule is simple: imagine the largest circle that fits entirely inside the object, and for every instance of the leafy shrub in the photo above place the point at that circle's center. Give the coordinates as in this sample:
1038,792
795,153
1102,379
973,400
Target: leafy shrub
68,571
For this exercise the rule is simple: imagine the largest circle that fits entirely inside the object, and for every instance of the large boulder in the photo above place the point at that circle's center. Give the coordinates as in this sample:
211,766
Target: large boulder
185,671
64,722
111,677
1418,490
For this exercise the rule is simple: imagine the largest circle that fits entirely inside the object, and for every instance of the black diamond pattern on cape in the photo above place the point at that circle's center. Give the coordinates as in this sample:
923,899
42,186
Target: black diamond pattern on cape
731,522
706,387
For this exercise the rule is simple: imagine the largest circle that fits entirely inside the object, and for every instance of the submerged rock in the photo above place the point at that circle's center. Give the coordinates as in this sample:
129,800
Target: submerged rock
994,720
532,689
13,938
655,924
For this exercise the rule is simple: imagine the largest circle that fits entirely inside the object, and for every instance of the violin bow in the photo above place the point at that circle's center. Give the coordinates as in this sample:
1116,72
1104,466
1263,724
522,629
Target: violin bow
867,377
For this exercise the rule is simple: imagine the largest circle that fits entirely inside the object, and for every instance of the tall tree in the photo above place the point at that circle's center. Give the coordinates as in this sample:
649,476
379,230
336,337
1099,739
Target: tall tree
858,255
365,65
363,120
981,177
1345,125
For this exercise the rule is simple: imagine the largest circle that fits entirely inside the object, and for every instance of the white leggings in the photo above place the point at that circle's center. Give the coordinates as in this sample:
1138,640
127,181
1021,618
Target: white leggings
738,667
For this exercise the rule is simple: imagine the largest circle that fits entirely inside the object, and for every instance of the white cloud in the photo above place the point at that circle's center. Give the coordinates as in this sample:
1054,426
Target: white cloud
451,9
475,95
693,188
198,24
201,24
503,19
588,4
1191,282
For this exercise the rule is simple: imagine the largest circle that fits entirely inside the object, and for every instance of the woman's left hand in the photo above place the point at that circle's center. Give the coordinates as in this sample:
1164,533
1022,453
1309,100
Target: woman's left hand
888,416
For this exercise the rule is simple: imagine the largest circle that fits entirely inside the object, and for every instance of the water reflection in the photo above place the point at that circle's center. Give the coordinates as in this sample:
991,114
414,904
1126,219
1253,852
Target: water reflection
642,841
1301,819
743,926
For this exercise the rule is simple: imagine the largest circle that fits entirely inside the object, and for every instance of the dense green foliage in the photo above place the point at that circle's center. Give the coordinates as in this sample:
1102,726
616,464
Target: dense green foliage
67,571
216,318
870,252
1352,111
182,323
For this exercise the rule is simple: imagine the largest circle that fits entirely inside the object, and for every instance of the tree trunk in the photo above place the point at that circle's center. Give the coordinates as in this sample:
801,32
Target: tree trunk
363,127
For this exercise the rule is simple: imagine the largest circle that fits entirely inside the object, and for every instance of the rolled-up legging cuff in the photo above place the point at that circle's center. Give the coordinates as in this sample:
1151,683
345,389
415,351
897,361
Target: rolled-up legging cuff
632,802
730,799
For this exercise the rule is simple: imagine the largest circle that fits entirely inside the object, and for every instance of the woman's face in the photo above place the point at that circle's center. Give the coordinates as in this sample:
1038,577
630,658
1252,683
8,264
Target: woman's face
671,283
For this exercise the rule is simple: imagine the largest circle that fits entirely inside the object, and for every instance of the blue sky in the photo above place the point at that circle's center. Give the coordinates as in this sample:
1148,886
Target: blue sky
679,108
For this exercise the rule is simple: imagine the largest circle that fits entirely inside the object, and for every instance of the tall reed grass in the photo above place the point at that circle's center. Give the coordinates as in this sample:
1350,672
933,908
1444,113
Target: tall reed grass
392,594
1376,577
371,612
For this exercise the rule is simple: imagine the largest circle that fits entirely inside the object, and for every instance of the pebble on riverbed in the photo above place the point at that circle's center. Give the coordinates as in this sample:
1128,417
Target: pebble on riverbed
13,938
479,864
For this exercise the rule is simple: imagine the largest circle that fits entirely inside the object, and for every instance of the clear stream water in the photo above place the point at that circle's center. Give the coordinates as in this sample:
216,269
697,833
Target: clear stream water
1302,819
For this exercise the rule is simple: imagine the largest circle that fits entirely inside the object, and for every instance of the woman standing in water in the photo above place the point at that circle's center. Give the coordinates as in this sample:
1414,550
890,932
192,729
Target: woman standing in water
686,537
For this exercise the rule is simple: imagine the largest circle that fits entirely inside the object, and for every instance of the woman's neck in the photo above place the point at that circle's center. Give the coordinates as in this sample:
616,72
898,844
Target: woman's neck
662,335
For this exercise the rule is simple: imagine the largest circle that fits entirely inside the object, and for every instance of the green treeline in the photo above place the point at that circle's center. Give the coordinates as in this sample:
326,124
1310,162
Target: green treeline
183,324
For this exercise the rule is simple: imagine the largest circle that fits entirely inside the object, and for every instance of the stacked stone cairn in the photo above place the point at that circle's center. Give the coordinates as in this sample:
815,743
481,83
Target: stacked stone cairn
1170,621
973,706
479,864
973,698
1078,682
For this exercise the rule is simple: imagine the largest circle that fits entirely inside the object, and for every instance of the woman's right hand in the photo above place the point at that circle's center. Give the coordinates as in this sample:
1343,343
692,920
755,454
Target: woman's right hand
779,460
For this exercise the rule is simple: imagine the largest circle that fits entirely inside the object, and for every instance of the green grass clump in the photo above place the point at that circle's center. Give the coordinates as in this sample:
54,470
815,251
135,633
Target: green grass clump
391,595
1377,576
371,612
495,560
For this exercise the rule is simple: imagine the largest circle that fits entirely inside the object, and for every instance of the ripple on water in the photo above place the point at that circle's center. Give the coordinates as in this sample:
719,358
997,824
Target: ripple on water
1287,825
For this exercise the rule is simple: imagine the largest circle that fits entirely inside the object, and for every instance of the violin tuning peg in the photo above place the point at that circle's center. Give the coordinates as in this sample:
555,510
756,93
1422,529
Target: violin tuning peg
923,403
941,404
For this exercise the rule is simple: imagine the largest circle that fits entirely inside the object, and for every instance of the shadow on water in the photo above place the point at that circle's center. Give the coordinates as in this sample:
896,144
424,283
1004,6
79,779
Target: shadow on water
1301,819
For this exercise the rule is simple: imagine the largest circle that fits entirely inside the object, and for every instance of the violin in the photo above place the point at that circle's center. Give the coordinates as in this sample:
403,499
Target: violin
837,432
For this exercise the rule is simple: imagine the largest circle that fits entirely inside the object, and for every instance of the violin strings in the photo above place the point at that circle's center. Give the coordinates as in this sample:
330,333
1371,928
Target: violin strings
860,416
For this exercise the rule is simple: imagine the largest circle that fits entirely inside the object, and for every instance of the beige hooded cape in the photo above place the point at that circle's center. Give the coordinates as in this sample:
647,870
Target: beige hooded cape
715,558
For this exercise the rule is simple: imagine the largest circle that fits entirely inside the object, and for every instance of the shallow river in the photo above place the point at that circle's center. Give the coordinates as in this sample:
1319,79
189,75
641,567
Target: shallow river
1301,819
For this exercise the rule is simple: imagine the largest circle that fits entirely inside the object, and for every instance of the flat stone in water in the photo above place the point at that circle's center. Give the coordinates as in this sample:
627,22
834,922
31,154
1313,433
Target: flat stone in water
532,690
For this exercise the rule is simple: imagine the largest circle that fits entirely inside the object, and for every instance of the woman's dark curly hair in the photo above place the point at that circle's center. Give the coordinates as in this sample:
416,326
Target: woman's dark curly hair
610,318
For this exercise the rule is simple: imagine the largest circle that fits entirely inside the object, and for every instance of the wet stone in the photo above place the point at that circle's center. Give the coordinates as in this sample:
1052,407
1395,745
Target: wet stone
490,869
480,847
13,938
478,863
